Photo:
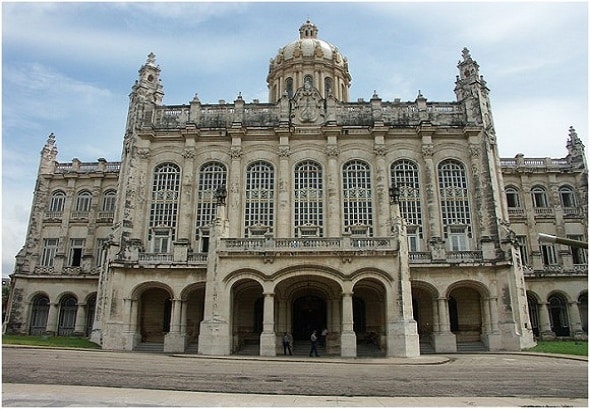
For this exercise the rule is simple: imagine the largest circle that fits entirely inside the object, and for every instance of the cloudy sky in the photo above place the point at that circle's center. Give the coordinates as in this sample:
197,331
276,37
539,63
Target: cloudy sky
68,68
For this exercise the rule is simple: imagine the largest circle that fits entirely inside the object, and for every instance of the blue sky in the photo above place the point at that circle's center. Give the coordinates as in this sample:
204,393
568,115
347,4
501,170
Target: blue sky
68,68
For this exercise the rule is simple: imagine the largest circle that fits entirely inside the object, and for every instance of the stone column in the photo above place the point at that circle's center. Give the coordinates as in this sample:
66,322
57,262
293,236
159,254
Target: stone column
283,219
332,193
131,333
80,325
381,193
348,337
268,339
444,340
183,317
52,318
431,185
174,341
235,189
576,329
545,331
186,202
435,317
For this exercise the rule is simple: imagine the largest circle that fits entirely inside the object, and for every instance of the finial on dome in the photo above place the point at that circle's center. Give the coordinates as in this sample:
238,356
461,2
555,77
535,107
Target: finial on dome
151,59
308,30
466,55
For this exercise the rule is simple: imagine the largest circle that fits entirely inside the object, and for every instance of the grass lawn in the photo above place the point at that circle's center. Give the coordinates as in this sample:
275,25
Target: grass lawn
49,341
561,347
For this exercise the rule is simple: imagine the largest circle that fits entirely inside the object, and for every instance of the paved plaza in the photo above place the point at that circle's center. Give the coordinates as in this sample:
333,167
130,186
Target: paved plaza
57,377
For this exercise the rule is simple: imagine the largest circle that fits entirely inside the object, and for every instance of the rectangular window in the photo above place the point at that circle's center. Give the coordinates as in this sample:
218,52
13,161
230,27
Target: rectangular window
49,252
76,251
579,254
524,252
549,255
161,241
458,239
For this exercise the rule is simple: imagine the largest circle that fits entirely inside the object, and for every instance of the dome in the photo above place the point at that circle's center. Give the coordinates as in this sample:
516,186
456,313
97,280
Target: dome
308,59
309,46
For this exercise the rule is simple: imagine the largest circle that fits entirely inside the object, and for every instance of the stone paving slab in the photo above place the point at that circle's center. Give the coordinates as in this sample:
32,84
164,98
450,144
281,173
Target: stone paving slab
25,395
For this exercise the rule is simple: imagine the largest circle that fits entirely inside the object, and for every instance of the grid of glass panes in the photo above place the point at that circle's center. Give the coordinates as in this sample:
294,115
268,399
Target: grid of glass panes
357,195
453,194
76,252
49,252
512,197
567,196
58,200
108,201
211,176
165,195
308,195
259,206
83,201
539,196
404,175
579,254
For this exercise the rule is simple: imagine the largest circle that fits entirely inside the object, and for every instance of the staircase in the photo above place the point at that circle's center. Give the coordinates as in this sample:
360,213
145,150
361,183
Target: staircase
191,349
426,348
149,347
471,347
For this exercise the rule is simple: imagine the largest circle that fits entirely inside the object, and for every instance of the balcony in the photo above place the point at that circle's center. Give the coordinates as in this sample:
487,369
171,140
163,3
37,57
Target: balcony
544,212
556,271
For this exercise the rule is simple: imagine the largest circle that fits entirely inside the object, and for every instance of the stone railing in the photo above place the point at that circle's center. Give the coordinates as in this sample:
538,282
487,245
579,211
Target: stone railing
534,163
307,244
464,256
87,167
156,257
544,211
53,215
420,257
169,259
556,270
516,212
227,115
69,271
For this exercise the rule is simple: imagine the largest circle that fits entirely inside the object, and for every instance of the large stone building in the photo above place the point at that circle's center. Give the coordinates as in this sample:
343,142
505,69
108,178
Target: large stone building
394,225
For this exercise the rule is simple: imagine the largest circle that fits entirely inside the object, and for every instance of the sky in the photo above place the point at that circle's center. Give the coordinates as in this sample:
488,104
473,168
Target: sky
68,68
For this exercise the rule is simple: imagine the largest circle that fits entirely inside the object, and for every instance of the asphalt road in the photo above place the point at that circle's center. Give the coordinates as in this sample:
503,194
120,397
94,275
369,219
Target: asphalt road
477,375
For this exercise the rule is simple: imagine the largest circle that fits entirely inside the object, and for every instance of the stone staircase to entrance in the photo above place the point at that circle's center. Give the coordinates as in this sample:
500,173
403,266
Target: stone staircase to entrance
150,347
469,347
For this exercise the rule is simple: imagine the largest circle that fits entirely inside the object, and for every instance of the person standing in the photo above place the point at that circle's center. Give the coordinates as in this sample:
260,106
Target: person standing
287,344
314,344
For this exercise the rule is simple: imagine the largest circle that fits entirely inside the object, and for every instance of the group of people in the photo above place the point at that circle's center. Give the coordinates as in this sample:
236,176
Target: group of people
314,339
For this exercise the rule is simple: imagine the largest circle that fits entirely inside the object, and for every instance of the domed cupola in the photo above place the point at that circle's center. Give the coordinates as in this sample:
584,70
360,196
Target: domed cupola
308,60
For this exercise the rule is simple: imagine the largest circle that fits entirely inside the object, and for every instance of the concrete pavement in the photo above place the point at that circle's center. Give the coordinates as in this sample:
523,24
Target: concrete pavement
22,395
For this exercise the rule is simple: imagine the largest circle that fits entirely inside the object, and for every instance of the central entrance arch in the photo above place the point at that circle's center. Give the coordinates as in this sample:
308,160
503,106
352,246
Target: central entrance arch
309,313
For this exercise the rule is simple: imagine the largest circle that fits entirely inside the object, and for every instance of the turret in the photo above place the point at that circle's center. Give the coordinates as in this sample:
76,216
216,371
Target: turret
48,156
146,93
575,150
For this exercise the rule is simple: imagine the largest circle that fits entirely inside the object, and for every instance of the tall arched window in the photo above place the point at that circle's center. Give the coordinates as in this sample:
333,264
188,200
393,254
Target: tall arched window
164,206
68,308
259,206
108,201
539,196
83,201
455,209
404,175
558,315
512,197
58,201
357,197
327,86
289,87
308,194
211,176
39,313
567,197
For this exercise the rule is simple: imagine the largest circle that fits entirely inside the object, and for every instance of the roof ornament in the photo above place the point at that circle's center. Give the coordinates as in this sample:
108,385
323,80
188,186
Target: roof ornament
308,30
196,97
151,59
466,55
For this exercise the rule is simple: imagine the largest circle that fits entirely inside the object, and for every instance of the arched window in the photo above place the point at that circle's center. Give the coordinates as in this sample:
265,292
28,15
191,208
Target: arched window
454,197
212,175
583,308
533,313
58,201
558,315
308,195
328,86
357,198
512,197
83,201
164,206
289,87
259,206
39,313
404,175
539,196
67,316
567,197
108,201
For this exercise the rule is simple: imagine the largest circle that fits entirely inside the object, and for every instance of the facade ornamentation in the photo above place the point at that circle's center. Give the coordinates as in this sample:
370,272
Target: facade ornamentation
185,263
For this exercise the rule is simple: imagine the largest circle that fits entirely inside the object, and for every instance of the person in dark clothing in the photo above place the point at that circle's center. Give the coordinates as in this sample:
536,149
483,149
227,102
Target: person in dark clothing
287,344
314,344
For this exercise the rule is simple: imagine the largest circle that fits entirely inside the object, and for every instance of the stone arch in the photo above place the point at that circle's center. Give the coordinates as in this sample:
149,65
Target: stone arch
90,301
533,301
583,309
466,310
369,311
193,297
557,303
68,309
424,296
154,310
39,313
247,312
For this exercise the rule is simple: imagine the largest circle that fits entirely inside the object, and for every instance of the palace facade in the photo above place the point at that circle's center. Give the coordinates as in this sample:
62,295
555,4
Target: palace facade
394,225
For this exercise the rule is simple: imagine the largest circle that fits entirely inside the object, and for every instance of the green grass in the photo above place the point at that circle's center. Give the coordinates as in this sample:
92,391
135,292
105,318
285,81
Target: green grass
49,341
561,347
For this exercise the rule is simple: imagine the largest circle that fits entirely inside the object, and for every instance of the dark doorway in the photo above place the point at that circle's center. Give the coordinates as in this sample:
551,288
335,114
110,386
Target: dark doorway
309,313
